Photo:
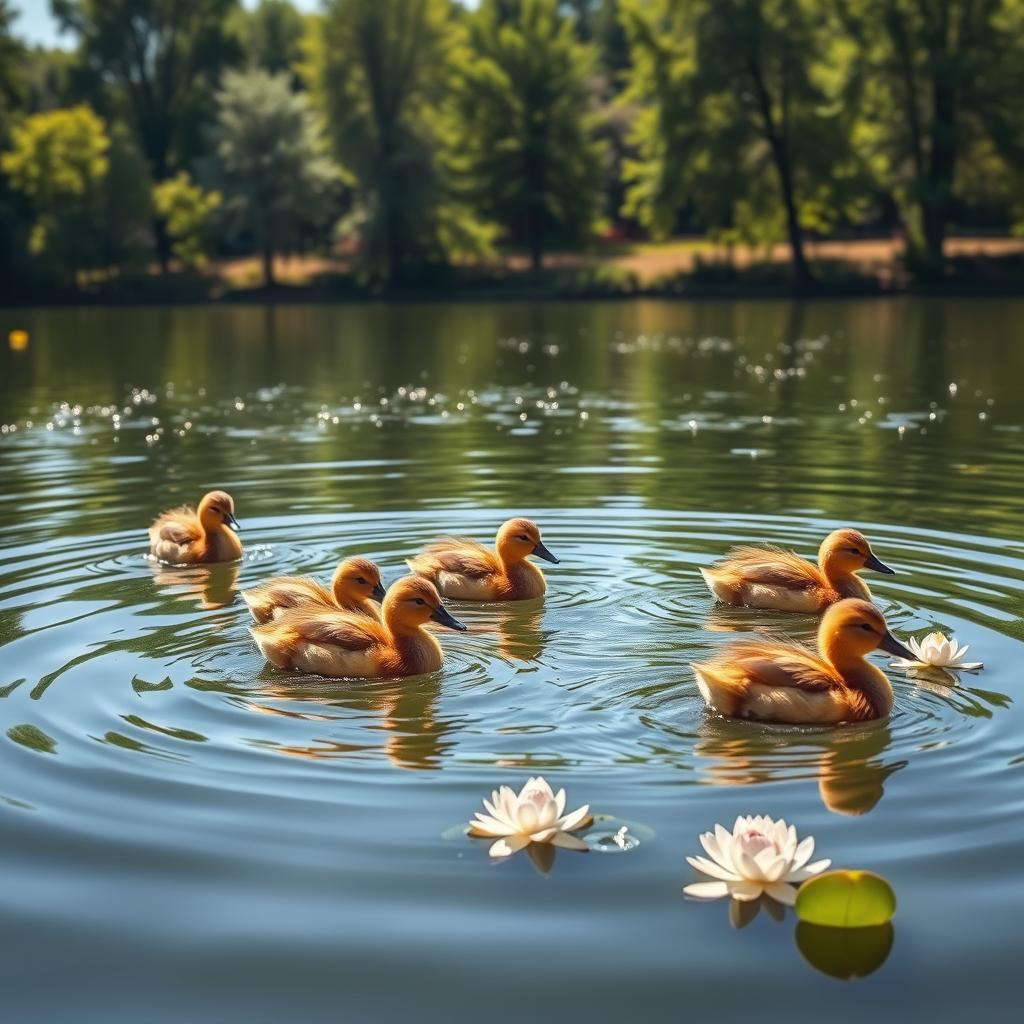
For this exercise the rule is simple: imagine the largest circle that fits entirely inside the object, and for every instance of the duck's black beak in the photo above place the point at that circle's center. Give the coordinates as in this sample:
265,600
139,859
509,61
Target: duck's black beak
542,552
893,646
378,592
872,562
229,518
446,618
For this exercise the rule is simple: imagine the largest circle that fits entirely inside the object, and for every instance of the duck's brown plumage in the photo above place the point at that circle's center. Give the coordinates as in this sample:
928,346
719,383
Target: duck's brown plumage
355,587
184,536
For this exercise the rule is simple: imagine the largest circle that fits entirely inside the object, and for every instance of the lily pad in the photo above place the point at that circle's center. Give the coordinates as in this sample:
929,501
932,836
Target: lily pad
846,899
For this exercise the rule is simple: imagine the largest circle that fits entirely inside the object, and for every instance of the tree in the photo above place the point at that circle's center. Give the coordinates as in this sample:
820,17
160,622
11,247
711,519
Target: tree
58,161
940,81
11,57
380,70
527,137
272,36
161,60
186,208
272,155
734,91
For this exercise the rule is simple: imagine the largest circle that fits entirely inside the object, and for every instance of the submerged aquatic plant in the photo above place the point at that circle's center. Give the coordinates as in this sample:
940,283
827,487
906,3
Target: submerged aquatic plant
760,856
534,815
937,651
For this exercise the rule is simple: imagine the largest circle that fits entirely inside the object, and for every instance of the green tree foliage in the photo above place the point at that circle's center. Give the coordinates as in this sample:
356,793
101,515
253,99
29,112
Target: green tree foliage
58,161
272,34
158,62
11,58
187,210
381,70
742,117
273,158
940,84
527,136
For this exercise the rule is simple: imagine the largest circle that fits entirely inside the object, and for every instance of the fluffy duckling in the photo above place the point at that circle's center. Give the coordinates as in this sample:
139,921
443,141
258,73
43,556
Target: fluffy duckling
787,682
467,571
356,587
183,537
343,645
769,577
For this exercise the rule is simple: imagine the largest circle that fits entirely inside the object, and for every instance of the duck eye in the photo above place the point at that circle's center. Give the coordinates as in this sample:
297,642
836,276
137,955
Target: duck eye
856,551
419,600
361,581
523,536
865,625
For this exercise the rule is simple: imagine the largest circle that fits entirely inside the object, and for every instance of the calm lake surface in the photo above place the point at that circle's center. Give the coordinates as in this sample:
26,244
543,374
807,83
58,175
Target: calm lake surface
189,835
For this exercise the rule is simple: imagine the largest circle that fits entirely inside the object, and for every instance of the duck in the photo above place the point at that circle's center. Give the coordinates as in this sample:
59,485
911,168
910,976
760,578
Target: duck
788,683
770,577
337,644
356,587
182,536
465,570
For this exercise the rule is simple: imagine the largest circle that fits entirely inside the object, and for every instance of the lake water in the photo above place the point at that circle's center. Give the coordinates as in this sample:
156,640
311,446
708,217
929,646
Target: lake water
189,835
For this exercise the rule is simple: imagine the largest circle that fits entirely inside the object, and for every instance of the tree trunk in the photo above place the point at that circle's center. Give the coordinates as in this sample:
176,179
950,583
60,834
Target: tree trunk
268,261
939,182
783,166
536,240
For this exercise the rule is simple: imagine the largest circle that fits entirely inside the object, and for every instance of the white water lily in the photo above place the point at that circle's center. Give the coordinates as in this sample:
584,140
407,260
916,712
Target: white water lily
937,651
534,815
760,855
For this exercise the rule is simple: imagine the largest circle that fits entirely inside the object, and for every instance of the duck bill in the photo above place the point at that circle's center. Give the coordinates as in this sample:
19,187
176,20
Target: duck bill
231,521
378,592
893,646
875,563
446,618
542,552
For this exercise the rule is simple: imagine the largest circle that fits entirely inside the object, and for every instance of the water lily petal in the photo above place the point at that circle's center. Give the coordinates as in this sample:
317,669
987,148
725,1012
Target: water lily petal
803,853
970,666
560,803
543,835
708,867
746,866
575,820
528,817
711,847
724,838
804,873
785,894
744,891
509,845
706,890
568,842
485,826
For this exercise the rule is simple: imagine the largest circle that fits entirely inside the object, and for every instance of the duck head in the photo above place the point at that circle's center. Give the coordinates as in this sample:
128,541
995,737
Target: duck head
357,579
413,601
844,552
518,539
853,628
217,510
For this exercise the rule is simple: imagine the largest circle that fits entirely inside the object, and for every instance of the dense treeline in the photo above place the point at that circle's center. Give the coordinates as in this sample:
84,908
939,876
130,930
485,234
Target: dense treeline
411,135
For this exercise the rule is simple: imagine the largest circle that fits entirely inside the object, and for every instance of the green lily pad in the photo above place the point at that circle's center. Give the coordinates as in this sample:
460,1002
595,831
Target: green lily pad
844,953
846,899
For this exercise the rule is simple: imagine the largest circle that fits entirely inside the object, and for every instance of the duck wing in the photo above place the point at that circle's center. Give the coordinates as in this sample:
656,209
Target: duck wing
351,631
179,526
282,592
770,565
456,555
784,664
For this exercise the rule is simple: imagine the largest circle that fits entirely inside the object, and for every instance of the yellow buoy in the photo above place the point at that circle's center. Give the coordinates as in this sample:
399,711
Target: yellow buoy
18,340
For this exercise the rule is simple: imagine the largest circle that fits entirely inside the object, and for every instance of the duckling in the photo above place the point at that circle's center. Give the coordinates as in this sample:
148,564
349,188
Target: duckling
356,587
787,682
345,645
769,577
183,537
467,571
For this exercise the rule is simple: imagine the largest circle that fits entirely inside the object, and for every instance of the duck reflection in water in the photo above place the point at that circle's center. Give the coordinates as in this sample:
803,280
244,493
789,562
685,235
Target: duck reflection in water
210,586
405,709
847,761
514,631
